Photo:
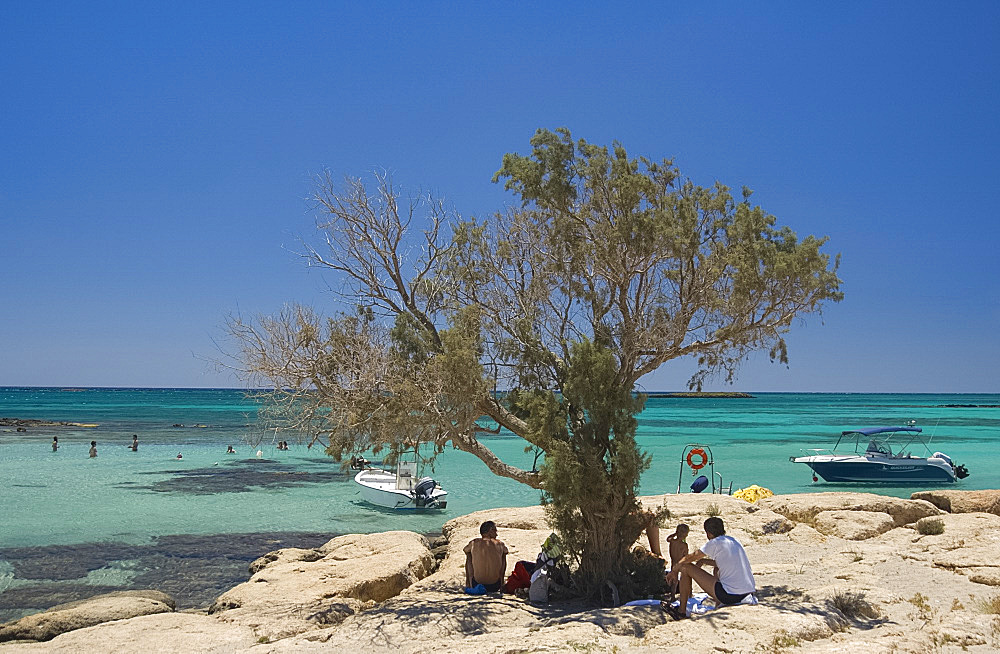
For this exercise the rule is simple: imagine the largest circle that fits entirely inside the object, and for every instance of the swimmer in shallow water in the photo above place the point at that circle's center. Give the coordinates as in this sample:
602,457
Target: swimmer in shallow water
230,450
135,443
180,456
55,443
93,449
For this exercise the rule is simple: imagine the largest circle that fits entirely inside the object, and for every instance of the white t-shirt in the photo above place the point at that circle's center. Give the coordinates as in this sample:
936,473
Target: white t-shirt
733,564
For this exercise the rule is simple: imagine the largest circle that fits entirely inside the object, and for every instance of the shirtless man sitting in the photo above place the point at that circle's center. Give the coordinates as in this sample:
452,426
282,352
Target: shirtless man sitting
485,559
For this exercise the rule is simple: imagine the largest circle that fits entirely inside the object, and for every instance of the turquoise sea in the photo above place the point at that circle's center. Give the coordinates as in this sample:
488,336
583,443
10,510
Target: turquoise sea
72,526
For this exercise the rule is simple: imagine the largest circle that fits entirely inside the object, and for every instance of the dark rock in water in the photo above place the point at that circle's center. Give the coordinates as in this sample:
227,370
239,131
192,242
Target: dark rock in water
21,600
238,477
194,569
21,423
65,562
31,422
258,564
969,406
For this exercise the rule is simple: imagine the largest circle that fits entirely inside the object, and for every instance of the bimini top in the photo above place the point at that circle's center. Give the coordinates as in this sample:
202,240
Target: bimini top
871,431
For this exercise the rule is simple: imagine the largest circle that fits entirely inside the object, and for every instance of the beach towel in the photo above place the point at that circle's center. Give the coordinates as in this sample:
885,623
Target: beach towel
701,603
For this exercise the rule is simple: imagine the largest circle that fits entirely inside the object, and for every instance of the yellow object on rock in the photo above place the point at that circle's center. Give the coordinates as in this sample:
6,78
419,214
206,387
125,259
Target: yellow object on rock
753,493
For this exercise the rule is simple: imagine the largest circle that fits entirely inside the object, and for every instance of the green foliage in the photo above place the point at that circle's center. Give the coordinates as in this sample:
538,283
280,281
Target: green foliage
592,469
924,610
930,526
853,605
781,642
989,605
629,266
700,272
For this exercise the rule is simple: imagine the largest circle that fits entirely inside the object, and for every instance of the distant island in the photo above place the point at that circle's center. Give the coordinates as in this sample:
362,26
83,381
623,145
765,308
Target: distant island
724,394
970,406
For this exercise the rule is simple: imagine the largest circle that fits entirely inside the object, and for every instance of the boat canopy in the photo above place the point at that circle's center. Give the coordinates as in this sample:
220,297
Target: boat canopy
871,431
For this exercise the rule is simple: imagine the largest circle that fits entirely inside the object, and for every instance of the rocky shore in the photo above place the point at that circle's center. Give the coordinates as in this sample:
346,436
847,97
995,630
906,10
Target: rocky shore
836,572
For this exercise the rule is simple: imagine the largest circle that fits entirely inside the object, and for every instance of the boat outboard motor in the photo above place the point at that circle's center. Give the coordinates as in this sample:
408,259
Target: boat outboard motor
944,457
961,472
422,491
699,484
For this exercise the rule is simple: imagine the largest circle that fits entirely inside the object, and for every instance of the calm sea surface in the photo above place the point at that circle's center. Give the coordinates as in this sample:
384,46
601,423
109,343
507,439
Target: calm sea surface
72,526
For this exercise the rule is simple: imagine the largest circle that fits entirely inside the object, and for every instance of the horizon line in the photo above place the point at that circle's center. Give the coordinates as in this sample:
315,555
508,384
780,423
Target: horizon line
233,388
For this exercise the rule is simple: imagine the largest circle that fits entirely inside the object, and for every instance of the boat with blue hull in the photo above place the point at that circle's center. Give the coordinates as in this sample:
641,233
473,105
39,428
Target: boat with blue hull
881,455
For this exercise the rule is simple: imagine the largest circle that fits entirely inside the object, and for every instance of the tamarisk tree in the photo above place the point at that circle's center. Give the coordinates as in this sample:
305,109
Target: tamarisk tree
540,320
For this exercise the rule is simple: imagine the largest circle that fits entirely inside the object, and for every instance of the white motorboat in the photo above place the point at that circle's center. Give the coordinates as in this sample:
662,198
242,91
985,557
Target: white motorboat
880,455
401,489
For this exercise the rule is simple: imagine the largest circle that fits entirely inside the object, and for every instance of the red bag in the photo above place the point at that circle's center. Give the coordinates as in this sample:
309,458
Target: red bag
519,578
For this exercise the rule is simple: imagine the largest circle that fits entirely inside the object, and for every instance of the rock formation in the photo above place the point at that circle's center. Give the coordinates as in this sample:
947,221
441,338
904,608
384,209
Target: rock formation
87,613
955,501
836,572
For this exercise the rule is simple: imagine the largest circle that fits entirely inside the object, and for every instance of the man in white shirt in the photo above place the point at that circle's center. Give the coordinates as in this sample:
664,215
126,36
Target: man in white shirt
733,580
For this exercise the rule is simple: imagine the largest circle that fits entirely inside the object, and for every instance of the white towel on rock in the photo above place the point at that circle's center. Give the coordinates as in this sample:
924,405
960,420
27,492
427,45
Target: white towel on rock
701,603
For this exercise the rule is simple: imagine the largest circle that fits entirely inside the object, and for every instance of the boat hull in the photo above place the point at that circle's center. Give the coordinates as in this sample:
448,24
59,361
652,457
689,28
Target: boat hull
899,471
379,487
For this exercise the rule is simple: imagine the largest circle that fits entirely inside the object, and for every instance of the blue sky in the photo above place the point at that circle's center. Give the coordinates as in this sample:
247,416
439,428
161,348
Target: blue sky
156,159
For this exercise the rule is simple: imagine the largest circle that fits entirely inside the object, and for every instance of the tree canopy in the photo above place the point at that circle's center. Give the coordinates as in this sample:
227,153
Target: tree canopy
540,319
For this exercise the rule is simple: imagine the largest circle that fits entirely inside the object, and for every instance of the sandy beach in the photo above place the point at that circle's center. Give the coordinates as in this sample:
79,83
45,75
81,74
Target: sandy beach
836,572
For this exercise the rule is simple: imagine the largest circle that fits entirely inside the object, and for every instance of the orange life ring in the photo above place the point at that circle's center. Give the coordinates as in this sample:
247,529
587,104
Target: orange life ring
700,453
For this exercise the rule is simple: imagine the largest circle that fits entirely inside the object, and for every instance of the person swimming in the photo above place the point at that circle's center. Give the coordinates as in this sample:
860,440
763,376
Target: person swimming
93,449
180,456
55,443
230,450
135,443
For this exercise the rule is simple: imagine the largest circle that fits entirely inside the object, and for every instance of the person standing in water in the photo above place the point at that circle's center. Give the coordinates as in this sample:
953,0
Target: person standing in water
93,449
55,443
135,443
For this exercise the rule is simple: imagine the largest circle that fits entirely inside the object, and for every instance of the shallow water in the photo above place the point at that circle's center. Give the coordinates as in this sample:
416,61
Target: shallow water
189,526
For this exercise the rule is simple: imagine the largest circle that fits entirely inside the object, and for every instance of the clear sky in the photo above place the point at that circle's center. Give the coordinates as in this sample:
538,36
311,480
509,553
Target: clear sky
155,157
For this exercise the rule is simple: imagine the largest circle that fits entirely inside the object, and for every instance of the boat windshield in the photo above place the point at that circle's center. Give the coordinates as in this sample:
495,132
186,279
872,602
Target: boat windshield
883,441
876,447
